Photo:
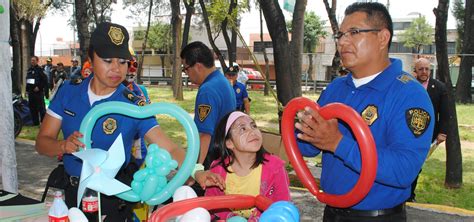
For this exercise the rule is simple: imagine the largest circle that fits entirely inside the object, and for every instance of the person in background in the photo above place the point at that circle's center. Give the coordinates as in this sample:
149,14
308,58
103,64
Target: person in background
246,166
439,98
241,95
75,72
48,71
108,52
36,86
139,149
383,94
59,73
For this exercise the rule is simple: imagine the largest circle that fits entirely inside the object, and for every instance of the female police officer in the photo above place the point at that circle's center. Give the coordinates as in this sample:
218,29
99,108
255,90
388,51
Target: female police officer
109,55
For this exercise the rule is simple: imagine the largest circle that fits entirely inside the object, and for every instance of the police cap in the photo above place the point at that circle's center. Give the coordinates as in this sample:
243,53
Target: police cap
110,41
233,70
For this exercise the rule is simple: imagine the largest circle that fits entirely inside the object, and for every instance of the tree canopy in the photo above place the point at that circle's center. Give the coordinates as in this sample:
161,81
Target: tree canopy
419,33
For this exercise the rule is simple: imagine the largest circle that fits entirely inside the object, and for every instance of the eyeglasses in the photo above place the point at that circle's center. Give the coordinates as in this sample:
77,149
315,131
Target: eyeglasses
352,32
184,68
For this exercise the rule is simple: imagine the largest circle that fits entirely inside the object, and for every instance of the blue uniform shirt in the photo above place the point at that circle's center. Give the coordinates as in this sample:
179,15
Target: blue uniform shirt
214,100
72,104
240,94
400,116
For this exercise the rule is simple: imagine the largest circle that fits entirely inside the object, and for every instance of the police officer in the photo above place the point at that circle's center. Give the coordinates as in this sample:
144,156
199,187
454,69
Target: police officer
383,94
36,86
48,71
215,97
109,55
241,95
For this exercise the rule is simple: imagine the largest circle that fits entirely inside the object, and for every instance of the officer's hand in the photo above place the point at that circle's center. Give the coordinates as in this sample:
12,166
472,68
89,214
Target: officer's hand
208,178
322,133
440,138
36,89
72,143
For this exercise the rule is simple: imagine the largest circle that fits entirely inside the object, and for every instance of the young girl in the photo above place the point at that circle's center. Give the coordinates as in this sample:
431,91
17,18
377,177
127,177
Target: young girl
245,165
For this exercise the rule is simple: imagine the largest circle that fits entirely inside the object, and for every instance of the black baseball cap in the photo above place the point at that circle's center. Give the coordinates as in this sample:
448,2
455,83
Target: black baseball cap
110,41
233,70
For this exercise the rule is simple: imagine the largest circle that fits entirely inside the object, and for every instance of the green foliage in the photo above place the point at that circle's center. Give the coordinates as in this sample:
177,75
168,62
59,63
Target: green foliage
458,12
159,37
218,12
419,33
29,9
313,30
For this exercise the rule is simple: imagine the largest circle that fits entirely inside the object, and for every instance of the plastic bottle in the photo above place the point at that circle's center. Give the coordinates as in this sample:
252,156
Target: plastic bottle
58,211
90,203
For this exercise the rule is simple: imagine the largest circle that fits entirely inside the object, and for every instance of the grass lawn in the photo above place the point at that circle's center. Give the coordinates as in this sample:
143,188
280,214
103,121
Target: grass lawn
264,110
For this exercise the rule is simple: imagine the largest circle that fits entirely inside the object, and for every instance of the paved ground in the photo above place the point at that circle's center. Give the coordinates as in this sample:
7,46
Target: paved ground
33,171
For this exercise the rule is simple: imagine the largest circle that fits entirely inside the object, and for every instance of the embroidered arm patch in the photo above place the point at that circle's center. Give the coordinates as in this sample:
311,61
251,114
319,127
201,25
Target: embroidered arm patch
418,120
204,111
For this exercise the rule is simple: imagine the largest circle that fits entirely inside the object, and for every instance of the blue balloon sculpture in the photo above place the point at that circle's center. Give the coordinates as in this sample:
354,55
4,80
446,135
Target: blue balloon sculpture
149,184
281,211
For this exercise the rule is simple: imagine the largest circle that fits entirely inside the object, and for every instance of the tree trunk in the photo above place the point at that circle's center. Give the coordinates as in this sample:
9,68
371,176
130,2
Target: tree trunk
142,57
336,61
16,75
310,67
463,85
216,50
231,42
7,142
265,57
187,21
281,50
25,53
296,45
176,26
82,24
453,177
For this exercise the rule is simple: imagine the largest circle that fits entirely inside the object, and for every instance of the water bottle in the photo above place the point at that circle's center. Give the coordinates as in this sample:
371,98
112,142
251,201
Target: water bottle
58,211
90,202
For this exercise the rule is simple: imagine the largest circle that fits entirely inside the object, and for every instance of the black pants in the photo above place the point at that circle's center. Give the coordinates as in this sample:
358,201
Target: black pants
37,107
413,188
334,215
115,208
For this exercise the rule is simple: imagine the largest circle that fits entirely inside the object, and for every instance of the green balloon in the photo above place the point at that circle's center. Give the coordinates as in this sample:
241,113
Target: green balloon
1,9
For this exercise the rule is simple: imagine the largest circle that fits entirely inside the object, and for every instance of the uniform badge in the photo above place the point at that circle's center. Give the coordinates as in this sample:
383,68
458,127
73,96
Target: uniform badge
76,81
404,78
237,90
203,111
130,97
418,120
141,102
369,115
109,126
116,35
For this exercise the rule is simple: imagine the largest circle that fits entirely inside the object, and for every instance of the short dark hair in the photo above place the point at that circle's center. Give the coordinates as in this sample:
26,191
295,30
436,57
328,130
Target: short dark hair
377,15
36,57
224,153
197,52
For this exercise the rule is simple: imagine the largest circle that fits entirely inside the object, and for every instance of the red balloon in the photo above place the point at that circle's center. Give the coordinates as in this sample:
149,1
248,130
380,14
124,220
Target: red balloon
235,201
364,139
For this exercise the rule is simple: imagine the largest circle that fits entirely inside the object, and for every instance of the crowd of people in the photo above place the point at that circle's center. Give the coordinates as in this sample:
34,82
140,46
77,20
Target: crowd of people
401,113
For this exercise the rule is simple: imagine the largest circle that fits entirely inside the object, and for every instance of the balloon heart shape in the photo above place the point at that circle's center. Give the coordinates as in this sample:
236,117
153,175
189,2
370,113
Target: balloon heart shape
150,185
362,134
234,201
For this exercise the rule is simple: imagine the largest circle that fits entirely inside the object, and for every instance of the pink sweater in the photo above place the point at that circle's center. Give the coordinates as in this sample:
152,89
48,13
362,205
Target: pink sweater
274,185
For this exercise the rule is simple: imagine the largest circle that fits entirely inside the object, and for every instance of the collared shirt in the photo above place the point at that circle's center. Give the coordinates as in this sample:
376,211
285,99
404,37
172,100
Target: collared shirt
401,124
72,104
240,94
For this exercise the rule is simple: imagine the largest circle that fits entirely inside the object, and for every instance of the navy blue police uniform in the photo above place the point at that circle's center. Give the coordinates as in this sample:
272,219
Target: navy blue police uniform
35,78
402,126
240,94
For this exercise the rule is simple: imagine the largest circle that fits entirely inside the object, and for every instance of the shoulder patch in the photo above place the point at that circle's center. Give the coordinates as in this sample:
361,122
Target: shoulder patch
404,78
370,114
203,111
109,126
76,81
417,120
133,98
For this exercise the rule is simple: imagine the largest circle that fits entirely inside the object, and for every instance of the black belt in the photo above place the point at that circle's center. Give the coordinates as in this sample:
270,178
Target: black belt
366,213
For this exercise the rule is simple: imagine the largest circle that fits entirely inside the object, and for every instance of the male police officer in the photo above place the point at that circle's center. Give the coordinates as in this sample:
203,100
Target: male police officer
36,85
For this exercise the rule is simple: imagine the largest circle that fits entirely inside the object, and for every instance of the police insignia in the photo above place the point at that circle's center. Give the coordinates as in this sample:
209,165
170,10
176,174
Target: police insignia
404,78
418,120
203,111
109,126
141,102
237,91
116,35
130,97
76,81
369,115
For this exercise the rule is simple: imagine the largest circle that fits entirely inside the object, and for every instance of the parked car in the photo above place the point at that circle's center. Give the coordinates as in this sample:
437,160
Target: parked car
254,75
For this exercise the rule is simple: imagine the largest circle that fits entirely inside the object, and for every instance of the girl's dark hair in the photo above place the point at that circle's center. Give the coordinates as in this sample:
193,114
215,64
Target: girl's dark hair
224,153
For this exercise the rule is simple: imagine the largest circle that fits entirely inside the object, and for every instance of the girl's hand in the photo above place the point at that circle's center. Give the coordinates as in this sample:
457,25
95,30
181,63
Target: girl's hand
72,143
208,178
